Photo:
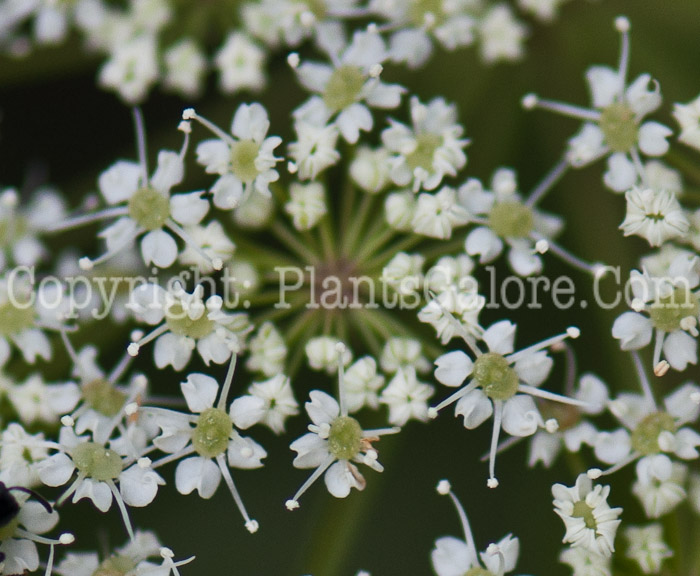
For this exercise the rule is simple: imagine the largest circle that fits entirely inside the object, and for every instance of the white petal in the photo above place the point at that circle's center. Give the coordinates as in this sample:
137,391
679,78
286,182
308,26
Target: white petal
56,470
199,391
98,492
499,337
170,171
534,368
197,473
451,557
159,248
247,411
475,407
322,409
172,350
139,486
311,451
604,84
245,453
680,403
652,138
120,181
680,349
339,479
453,368
633,330
483,242
188,209
228,191
621,174
520,416
611,447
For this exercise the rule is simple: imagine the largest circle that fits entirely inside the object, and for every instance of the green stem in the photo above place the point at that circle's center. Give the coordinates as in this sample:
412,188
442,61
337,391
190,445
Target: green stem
350,238
382,258
285,236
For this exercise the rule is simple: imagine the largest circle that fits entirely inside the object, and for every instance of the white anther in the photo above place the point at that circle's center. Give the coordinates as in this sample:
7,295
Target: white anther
444,487
529,101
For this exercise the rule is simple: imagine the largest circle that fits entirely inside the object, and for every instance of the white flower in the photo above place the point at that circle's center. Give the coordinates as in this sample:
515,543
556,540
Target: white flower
508,220
36,401
454,557
404,273
406,397
429,150
241,64
267,351
655,215
20,453
335,442
454,313
362,384
501,383
244,162
590,522
322,354
314,149
400,209
688,117
186,66
436,215
132,68
403,353
659,484
614,125
369,169
307,204
647,547
586,563
207,438
212,246
347,89
186,321
545,10
501,35
278,401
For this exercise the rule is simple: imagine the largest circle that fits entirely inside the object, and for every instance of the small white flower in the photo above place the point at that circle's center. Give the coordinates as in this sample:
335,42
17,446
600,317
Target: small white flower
406,397
267,351
586,563
436,215
647,547
213,246
403,353
370,169
241,64
590,522
404,273
314,149
660,484
186,66
322,354
429,150
132,68
278,401
501,35
20,454
400,209
688,117
362,384
455,313
655,215
307,204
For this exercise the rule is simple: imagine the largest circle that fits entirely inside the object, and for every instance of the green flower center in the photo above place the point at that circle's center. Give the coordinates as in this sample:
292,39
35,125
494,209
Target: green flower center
645,438
14,320
583,510
181,324
619,126
343,88
419,8
495,376
102,397
345,438
511,219
149,208
115,566
97,462
667,313
212,433
243,156
8,530
422,156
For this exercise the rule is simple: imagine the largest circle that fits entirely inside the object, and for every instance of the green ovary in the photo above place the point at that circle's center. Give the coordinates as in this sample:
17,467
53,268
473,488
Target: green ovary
8,530
619,126
102,397
149,208
511,220
97,462
645,438
115,566
495,376
181,324
212,433
422,156
345,438
243,156
13,319
583,510
667,313
343,88
419,8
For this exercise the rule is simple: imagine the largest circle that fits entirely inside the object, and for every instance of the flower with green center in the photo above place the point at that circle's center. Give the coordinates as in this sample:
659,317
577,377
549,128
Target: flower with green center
335,442
207,441
501,383
452,555
184,321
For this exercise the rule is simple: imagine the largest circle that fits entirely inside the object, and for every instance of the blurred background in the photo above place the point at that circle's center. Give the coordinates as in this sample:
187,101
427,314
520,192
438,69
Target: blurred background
57,127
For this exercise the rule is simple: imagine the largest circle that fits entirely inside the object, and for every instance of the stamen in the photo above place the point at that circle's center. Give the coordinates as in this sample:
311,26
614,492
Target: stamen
433,412
495,550
122,508
622,24
293,503
444,488
492,482
134,348
643,380
78,221
141,143
503,446
595,473
68,493
340,351
190,114
86,263
120,368
547,183
171,457
658,346
531,101
221,405
251,525
571,332
569,258
532,391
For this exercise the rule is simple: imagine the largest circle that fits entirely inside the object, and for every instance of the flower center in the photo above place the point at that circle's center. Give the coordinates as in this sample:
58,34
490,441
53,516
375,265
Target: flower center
583,510
102,397
13,319
343,88
619,126
149,208
115,566
667,313
243,156
422,156
420,8
96,461
345,438
181,324
645,438
511,219
495,376
212,432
